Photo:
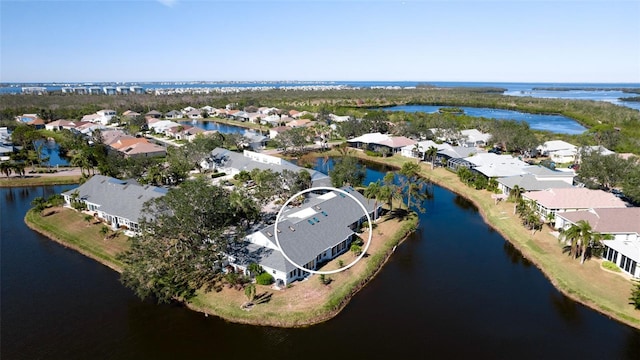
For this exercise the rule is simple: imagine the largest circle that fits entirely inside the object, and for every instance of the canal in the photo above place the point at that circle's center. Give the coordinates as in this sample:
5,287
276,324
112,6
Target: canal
454,289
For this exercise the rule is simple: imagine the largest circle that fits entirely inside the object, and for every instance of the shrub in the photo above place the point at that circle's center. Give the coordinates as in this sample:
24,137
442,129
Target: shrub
635,295
372,153
610,266
264,279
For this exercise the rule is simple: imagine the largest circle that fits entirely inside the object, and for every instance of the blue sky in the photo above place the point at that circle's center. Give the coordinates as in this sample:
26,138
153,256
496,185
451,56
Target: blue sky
184,40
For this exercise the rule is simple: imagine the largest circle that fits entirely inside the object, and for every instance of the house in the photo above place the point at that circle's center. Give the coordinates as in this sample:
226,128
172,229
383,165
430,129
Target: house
37,123
255,141
187,109
551,202
559,151
418,149
59,125
194,114
319,230
494,166
173,114
161,126
299,123
536,178
94,90
273,120
623,224
378,141
273,132
130,114
92,118
473,138
154,114
232,163
117,202
123,90
109,90
137,147
107,115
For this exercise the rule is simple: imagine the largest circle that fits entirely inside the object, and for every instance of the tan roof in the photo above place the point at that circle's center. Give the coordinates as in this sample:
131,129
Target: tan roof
608,221
575,198
37,121
143,148
397,142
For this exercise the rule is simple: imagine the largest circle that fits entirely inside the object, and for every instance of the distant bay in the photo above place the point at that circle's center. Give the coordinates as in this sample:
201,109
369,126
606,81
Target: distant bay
553,123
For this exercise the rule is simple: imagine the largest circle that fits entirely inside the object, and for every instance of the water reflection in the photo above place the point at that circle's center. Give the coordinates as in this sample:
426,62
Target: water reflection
566,308
514,255
464,204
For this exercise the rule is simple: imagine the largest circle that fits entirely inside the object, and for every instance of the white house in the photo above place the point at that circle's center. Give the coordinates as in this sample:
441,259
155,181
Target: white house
161,126
622,223
559,151
118,202
418,149
474,137
377,141
536,178
321,229
494,166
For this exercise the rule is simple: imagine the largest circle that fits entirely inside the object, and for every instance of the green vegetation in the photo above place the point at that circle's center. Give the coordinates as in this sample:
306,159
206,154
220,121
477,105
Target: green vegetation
178,251
635,295
611,266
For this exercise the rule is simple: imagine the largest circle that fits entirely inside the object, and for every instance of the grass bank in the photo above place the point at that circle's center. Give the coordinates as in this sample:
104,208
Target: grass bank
39,180
588,284
302,304
69,228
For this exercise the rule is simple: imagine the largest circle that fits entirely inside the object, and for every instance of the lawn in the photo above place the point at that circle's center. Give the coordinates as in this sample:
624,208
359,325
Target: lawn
69,228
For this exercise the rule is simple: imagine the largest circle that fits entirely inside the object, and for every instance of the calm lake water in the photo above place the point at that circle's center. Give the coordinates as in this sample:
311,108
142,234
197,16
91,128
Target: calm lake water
455,289
51,149
554,123
222,128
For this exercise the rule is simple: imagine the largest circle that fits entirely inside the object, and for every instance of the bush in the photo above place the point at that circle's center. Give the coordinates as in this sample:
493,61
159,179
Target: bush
372,153
635,295
610,266
264,279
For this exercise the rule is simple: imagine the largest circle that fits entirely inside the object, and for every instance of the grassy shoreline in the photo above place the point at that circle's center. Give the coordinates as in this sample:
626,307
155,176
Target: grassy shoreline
68,228
40,181
587,284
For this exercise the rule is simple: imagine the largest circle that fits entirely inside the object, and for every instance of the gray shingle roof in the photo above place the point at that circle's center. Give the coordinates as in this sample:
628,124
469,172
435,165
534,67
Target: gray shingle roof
123,198
325,226
241,162
530,183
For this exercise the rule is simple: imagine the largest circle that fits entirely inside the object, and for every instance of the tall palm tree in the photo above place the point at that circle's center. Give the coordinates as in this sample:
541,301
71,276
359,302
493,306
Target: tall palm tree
373,192
516,194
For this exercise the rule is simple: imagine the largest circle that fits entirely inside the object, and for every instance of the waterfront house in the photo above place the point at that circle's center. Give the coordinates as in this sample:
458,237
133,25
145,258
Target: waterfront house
317,231
493,166
194,114
536,178
161,126
418,149
117,202
551,202
623,224
378,141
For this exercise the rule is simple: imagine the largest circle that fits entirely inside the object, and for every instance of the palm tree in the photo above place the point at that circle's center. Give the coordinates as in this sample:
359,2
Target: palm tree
431,153
416,151
582,238
373,192
516,194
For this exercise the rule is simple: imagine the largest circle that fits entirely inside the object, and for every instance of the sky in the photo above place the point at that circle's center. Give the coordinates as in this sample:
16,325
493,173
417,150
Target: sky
351,40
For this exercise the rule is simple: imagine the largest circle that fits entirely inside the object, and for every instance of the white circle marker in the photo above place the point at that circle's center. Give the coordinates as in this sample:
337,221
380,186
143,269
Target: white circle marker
364,250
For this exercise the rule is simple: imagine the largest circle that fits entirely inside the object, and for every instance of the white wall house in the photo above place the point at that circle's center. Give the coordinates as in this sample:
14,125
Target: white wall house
622,223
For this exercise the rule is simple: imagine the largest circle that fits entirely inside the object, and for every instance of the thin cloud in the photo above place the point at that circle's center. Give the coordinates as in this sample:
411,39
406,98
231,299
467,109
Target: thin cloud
168,3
